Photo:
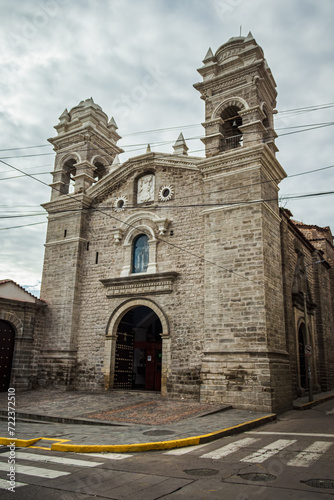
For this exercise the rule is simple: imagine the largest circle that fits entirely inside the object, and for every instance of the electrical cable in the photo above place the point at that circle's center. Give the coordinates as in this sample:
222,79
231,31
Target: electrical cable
203,259
222,191
295,110
24,225
23,175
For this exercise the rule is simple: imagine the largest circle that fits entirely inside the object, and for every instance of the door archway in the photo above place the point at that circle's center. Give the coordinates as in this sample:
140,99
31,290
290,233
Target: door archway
113,327
138,355
7,338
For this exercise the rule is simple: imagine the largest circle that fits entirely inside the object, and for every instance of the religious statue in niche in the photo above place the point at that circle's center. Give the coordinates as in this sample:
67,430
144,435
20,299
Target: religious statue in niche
145,188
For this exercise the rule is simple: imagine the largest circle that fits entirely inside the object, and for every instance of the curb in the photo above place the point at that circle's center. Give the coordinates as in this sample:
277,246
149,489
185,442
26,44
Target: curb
310,404
164,445
20,443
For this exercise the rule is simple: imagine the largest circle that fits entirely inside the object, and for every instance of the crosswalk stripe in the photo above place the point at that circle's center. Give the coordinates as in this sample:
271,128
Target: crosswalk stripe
5,484
34,471
307,434
310,455
56,460
229,448
268,451
186,449
111,456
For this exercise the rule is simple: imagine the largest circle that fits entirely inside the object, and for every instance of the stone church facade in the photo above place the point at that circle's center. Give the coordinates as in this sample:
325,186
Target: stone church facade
180,274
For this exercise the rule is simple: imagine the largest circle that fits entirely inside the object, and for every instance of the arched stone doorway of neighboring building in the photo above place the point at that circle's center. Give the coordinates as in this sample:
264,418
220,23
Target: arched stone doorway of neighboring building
137,348
302,360
7,339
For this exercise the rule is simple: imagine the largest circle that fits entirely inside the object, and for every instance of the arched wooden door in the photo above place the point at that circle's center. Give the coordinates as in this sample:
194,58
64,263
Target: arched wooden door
138,351
7,338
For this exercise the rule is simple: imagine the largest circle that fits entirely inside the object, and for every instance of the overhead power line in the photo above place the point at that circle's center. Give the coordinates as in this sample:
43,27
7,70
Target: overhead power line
162,206
303,128
304,109
23,175
198,257
23,225
223,190
173,207
182,249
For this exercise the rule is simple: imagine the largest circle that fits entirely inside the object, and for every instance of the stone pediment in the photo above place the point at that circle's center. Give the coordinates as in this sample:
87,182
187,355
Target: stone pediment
140,284
142,163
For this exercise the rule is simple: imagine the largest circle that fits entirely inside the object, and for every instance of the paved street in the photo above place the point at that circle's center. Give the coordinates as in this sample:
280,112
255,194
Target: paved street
272,462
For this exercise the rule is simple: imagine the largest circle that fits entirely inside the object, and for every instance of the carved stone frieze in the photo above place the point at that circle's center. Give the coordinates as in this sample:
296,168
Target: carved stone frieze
144,284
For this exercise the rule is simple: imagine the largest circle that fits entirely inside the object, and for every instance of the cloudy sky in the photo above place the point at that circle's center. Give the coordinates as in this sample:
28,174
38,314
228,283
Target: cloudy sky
138,61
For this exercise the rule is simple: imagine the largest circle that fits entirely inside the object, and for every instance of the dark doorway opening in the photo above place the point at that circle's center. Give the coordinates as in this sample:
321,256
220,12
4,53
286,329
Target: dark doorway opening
302,361
7,337
138,351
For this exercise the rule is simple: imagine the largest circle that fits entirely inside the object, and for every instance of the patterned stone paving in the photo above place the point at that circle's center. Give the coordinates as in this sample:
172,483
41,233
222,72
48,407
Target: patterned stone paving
119,406
155,412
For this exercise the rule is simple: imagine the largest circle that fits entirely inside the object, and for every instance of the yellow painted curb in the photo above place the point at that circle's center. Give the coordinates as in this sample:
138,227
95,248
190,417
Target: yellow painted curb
235,427
159,445
20,443
124,448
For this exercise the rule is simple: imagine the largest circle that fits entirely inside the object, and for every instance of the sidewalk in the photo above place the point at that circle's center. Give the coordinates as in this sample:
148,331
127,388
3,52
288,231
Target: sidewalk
303,403
120,421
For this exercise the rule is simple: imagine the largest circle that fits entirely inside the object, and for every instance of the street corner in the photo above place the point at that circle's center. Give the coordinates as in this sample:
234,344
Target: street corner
163,445
39,442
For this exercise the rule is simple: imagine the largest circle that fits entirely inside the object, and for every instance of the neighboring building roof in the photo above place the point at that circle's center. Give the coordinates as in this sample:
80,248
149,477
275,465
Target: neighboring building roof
311,226
314,232
9,289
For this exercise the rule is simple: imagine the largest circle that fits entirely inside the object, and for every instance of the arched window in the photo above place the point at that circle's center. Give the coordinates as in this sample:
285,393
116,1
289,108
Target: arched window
140,254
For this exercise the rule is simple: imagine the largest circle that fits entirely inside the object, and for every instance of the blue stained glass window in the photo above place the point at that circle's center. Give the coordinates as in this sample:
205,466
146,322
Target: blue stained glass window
140,254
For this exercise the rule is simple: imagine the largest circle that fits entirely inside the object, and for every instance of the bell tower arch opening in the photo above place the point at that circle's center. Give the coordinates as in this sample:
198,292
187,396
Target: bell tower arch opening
69,176
232,135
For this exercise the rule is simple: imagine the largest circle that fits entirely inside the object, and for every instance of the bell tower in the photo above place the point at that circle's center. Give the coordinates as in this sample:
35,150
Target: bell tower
85,147
245,360
240,97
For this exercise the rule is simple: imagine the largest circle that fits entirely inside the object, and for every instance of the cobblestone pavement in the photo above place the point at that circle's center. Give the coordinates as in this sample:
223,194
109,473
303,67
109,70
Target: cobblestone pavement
148,408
